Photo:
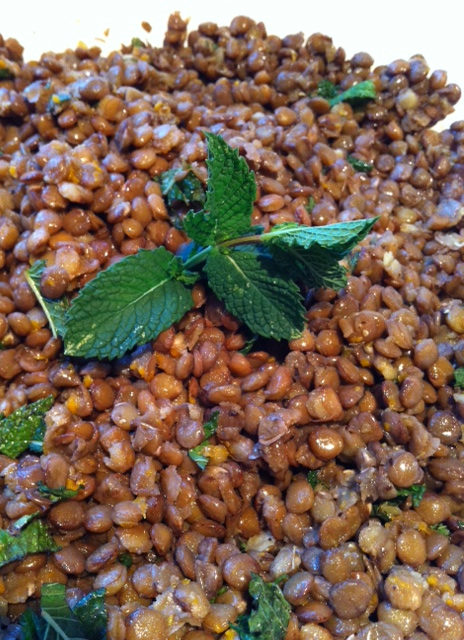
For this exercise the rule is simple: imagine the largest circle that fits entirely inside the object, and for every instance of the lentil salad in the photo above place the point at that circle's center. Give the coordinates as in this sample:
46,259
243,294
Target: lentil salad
312,473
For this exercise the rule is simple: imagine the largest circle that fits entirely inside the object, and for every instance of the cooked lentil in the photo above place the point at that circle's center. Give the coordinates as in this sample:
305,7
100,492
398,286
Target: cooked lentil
364,397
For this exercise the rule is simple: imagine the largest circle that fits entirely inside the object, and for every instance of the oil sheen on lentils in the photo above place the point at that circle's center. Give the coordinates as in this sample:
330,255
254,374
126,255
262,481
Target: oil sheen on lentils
180,489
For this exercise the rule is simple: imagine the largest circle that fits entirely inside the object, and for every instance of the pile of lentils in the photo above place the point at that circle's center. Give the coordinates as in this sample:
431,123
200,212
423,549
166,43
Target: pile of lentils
317,438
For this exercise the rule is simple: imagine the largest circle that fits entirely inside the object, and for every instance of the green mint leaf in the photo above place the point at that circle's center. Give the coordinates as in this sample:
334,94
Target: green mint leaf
385,511
441,529
249,345
270,614
34,538
136,42
90,611
187,190
231,191
126,560
340,238
23,521
416,491
55,310
197,456
313,478
86,621
209,428
253,290
33,627
316,267
459,377
360,165
56,495
309,206
356,95
6,73
126,305
37,539
326,89
23,426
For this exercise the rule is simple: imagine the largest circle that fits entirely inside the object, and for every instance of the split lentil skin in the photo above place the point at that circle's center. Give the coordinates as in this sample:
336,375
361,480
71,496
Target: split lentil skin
364,399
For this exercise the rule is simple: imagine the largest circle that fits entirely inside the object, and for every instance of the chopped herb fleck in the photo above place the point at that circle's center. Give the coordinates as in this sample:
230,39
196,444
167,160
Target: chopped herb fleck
24,427
360,165
210,428
270,614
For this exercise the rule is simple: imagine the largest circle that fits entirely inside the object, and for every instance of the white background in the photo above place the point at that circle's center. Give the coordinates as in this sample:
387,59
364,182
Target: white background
387,30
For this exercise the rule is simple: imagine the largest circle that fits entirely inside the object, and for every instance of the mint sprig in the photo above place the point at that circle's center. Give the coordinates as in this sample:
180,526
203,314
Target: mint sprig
257,275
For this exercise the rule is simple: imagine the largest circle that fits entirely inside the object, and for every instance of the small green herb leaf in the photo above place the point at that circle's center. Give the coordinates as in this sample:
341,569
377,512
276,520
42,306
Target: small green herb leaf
357,94
34,538
230,194
6,73
253,290
416,491
459,377
340,238
55,310
270,615
56,495
128,304
87,620
313,478
136,42
126,559
441,529
187,190
326,89
360,165
209,428
23,426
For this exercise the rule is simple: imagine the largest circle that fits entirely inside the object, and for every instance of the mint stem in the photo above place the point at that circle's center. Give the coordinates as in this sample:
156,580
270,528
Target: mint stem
197,258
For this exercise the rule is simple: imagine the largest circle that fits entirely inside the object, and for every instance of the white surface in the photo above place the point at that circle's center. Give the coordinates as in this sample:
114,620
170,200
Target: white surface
387,30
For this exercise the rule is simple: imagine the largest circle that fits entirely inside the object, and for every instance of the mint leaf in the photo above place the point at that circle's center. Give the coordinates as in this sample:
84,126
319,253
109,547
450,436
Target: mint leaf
270,615
231,191
86,621
188,190
459,377
360,165
326,89
313,478
316,267
91,613
357,94
19,429
209,428
440,528
125,559
34,538
136,42
416,491
6,73
55,310
340,238
128,304
253,290
56,495
33,627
